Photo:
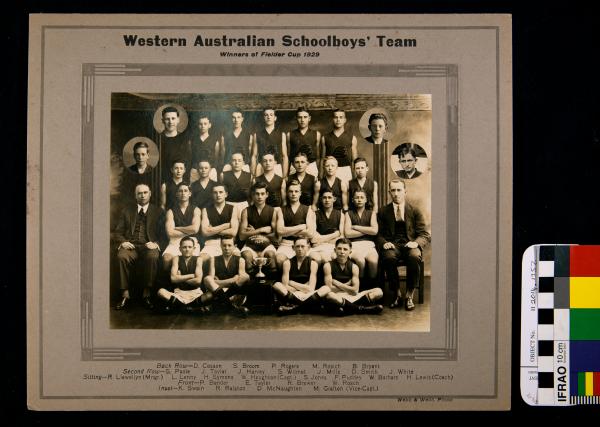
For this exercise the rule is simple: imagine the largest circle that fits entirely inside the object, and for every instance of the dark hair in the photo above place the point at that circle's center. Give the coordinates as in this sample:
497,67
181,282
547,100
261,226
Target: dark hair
268,108
378,116
328,190
360,159
343,240
186,238
170,110
407,150
294,182
178,161
268,152
360,190
258,185
302,109
203,116
237,110
182,183
220,184
238,152
299,154
141,144
339,110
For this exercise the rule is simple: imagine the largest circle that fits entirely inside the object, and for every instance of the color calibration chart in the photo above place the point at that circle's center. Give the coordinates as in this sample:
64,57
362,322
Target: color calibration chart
560,325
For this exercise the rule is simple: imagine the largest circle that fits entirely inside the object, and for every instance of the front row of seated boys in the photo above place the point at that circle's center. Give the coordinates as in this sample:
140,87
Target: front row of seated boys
330,248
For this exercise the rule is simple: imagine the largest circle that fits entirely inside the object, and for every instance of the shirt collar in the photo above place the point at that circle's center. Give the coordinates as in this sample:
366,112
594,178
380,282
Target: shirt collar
144,208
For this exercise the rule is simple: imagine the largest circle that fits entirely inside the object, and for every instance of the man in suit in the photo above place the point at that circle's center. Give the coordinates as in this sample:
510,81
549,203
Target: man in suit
408,160
137,237
402,235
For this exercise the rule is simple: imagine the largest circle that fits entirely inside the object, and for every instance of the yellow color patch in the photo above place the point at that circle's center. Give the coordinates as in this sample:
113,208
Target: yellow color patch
589,383
584,292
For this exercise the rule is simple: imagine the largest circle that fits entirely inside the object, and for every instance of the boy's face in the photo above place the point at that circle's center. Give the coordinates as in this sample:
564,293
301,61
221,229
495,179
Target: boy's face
293,193
204,169
359,199
342,252
227,247
187,248
407,161
204,125
260,196
183,193
300,164
268,162
178,169
237,119
219,194
237,162
339,119
361,169
170,121
377,128
141,156
269,117
330,167
300,248
303,119
327,199
142,194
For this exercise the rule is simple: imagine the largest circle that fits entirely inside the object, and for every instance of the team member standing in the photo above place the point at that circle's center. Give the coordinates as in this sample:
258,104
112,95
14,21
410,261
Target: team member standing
203,187
309,195
340,144
205,147
269,139
168,189
341,277
173,144
238,183
275,183
330,182
307,141
236,140
362,182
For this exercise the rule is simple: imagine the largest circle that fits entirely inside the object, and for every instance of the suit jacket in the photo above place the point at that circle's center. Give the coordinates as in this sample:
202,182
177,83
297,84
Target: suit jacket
402,174
415,225
126,224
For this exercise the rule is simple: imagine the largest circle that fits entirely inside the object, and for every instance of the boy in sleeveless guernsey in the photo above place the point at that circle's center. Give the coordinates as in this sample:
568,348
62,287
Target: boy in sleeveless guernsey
202,188
219,221
330,182
341,277
341,145
238,183
269,139
173,144
305,140
259,220
309,195
298,281
275,183
362,182
294,220
330,227
186,280
361,228
227,275
205,147
236,140
168,189
181,220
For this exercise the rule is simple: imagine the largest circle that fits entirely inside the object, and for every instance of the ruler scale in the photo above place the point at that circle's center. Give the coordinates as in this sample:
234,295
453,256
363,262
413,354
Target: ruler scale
560,325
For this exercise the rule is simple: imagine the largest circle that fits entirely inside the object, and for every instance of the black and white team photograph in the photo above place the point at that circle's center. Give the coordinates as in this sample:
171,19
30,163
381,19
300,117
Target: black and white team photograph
270,211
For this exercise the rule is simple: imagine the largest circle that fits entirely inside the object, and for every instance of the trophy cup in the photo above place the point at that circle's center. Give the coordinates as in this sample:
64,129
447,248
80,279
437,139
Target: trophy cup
259,262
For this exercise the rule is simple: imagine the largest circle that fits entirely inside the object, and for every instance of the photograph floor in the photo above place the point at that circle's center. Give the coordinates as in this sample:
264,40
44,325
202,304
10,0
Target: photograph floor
397,319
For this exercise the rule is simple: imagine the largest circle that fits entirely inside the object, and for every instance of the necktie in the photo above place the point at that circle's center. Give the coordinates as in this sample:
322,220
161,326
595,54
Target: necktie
398,213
